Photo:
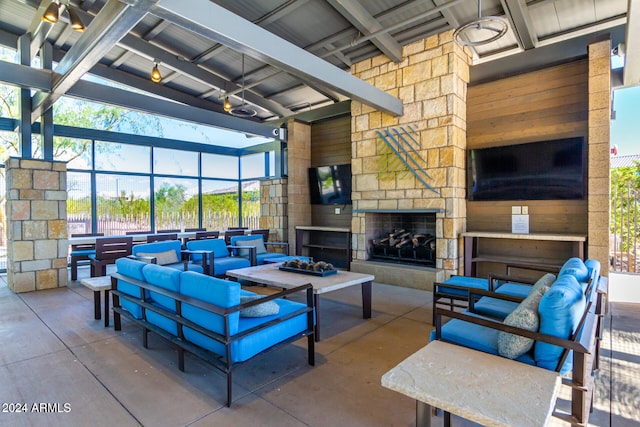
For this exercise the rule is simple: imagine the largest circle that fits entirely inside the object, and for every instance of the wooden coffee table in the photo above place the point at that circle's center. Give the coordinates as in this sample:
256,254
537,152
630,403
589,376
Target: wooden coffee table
269,274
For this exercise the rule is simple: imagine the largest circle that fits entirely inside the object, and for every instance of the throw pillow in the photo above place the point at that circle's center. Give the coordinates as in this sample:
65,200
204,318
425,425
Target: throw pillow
543,284
162,258
268,308
258,243
525,316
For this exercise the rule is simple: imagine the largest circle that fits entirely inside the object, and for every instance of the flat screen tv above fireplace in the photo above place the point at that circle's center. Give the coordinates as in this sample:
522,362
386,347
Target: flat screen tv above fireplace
330,185
545,170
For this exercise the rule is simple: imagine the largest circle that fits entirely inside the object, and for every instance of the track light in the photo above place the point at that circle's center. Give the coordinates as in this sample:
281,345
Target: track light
51,14
227,104
155,73
76,22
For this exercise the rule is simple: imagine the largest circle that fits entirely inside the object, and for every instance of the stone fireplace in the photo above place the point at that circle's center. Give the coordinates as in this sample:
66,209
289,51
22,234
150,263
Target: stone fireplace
415,163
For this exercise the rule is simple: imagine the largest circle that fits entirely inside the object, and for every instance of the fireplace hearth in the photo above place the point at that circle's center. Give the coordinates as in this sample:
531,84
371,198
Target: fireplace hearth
405,247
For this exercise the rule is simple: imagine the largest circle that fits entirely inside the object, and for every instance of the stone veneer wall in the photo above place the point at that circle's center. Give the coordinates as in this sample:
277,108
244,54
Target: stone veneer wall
432,83
599,156
37,244
273,208
299,161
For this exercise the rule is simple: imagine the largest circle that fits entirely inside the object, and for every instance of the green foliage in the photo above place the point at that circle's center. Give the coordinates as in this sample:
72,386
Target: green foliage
625,192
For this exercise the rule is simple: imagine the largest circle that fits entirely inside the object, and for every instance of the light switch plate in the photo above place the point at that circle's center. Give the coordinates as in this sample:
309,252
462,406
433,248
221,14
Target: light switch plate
337,211
525,210
515,210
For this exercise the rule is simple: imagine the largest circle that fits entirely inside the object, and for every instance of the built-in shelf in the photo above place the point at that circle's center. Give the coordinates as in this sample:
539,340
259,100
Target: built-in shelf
330,244
540,250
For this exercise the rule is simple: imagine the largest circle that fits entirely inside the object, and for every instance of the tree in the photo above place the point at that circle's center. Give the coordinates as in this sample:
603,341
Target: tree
625,192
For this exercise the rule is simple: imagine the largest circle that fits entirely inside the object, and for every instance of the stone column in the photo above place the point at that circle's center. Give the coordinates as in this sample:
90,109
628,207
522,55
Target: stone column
432,82
298,202
273,207
36,213
599,155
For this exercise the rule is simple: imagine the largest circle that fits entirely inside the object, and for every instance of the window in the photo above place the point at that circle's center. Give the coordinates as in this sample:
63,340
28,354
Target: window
175,203
220,207
78,203
122,157
175,162
218,166
76,152
123,203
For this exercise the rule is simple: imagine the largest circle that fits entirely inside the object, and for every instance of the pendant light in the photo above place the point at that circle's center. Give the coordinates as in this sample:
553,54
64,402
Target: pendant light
155,73
227,104
242,110
51,14
480,31
76,22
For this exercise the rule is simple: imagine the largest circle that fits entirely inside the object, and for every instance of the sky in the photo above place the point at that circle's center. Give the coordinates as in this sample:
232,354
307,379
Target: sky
625,129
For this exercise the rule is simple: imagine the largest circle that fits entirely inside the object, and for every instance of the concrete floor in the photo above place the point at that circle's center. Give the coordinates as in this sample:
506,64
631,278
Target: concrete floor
52,351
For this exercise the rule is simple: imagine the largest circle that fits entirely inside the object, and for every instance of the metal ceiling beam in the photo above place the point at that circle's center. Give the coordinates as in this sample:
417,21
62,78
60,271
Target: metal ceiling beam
24,76
631,76
518,14
114,20
153,105
148,50
360,18
218,24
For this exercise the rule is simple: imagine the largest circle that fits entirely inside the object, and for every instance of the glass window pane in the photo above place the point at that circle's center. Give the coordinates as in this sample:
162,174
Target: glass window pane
218,166
78,203
76,152
3,223
176,203
175,162
219,204
253,166
123,203
117,157
9,145
251,204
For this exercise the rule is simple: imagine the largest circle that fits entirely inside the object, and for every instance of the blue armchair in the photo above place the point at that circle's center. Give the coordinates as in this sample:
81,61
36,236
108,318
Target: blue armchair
261,252
170,254
218,257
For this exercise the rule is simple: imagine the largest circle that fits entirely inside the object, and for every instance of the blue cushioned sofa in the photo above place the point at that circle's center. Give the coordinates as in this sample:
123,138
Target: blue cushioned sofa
564,338
168,253
204,315
219,257
261,252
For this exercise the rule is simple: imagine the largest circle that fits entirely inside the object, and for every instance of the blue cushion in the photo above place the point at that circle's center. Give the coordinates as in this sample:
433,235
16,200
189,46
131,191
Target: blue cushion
83,252
165,278
467,282
190,267
222,293
494,307
560,310
217,246
576,268
133,269
222,265
514,289
594,267
476,337
256,241
268,255
253,344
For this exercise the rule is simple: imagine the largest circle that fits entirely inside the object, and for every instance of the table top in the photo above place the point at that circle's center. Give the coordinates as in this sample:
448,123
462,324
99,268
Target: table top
99,283
269,274
487,389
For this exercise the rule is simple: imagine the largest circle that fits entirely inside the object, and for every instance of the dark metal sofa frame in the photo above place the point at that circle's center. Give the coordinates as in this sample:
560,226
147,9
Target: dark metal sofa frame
223,364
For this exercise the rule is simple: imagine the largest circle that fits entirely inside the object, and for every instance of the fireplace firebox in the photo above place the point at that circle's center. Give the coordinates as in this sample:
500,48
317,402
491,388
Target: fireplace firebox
402,238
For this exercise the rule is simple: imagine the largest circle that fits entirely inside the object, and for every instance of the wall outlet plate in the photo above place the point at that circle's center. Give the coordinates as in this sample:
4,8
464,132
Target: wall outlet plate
525,210
337,211
515,210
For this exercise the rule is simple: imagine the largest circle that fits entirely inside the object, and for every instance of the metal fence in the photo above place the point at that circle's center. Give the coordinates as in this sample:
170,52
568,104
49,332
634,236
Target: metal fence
623,244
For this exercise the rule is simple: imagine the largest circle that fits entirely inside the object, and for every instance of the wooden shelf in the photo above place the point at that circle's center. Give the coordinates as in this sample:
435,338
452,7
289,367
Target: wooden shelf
325,244
546,251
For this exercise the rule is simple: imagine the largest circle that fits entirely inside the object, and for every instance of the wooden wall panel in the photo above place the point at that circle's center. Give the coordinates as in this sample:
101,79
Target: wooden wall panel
537,106
331,142
331,145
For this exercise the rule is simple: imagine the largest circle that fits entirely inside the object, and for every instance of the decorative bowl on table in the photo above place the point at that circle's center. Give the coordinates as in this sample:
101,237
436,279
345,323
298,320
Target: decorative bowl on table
318,268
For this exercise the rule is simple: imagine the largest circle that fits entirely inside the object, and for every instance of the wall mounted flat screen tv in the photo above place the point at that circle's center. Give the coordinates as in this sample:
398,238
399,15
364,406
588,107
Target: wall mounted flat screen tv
330,185
545,170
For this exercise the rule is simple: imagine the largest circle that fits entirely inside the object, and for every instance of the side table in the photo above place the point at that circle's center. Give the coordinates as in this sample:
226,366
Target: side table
98,284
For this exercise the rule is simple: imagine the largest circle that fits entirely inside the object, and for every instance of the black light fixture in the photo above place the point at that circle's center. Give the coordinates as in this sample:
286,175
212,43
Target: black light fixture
242,110
76,22
52,14
482,30
155,73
